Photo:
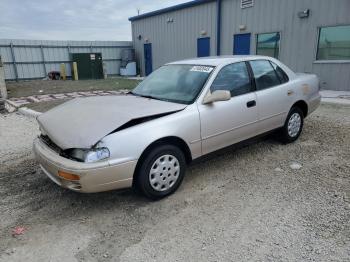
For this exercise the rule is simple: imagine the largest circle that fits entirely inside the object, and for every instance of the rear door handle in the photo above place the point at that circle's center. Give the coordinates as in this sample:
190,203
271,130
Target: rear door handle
251,103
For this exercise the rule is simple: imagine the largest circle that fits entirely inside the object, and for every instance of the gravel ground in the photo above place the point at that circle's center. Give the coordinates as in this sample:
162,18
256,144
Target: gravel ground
241,204
16,134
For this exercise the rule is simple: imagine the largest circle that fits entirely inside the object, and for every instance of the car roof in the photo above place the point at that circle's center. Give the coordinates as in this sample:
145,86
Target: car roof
218,60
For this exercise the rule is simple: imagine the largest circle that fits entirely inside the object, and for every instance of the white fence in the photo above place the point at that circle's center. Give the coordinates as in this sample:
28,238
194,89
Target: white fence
33,59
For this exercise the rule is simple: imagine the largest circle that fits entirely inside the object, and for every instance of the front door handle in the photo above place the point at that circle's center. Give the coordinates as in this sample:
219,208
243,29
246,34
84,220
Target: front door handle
251,103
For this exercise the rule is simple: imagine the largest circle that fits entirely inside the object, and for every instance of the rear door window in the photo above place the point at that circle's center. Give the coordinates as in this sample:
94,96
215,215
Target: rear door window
234,78
264,74
280,73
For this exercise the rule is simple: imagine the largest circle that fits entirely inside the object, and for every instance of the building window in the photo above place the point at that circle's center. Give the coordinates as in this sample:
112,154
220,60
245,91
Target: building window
268,44
334,43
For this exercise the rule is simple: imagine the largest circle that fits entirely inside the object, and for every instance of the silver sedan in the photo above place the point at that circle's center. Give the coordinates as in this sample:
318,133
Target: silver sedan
182,111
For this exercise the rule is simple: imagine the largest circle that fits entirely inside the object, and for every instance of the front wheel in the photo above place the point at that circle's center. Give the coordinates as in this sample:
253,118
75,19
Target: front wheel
161,172
293,126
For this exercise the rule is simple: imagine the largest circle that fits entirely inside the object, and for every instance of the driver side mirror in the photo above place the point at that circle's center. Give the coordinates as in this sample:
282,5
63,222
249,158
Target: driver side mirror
218,95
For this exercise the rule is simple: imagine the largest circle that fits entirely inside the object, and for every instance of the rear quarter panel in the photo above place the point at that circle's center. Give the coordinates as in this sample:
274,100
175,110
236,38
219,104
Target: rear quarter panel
306,88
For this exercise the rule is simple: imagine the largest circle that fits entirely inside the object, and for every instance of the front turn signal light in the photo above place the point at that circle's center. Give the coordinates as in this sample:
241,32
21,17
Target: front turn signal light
68,176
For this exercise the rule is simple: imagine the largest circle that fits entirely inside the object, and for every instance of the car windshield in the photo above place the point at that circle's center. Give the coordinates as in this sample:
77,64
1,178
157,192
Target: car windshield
174,83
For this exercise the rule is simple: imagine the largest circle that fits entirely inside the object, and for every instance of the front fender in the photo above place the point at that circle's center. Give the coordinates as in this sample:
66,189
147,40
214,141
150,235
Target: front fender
128,144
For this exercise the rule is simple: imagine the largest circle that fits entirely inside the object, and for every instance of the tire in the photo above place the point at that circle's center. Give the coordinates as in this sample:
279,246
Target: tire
293,126
161,172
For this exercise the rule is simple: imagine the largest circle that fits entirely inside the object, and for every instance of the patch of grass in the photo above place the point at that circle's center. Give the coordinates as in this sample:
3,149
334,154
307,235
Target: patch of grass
42,87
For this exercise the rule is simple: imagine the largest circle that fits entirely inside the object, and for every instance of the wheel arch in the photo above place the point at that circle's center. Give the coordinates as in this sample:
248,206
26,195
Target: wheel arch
303,107
169,140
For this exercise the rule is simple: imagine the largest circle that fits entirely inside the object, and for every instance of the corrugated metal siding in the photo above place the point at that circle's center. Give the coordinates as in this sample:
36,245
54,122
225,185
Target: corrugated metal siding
176,40
298,46
298,36
29,58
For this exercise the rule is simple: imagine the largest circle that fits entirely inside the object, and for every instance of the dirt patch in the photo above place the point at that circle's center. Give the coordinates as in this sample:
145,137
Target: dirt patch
42,87
45,106
243,204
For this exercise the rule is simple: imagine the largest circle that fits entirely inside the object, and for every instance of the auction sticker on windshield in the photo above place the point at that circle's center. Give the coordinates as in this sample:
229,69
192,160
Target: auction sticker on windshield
203,69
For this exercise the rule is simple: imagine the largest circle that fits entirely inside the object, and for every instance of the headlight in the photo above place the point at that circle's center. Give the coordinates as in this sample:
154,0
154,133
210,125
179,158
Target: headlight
90,155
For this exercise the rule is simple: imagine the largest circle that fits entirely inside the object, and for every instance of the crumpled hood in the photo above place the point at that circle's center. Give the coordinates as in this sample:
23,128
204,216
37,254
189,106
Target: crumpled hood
82,122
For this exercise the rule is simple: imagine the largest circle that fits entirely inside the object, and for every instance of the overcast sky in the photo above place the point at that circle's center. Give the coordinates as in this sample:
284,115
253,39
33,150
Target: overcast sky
73,19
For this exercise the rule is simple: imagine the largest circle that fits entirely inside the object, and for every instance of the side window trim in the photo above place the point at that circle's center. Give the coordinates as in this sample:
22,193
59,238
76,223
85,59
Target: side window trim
275,72
251,76
251,80
282,81
256,89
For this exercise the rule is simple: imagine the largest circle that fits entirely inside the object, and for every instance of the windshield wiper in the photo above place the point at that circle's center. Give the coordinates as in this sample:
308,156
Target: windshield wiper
148,96
145,96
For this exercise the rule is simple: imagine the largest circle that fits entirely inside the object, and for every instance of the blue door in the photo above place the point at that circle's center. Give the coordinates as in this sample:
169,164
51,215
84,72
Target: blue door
203,47
148,58
241,44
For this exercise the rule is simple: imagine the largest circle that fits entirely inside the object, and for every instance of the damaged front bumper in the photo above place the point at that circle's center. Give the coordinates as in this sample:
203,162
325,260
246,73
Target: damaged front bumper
93,177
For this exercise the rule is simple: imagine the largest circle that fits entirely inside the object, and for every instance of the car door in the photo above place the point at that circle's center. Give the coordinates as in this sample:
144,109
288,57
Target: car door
227,122
148,58
271,93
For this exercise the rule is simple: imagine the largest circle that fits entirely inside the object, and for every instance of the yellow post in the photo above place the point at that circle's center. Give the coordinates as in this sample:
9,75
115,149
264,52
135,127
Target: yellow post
63,72
75,71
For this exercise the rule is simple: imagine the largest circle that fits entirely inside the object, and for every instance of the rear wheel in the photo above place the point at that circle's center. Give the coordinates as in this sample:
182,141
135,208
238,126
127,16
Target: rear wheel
161,172
293,126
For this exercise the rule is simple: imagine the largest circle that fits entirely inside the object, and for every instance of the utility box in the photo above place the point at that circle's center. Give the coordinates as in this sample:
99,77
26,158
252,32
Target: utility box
89,65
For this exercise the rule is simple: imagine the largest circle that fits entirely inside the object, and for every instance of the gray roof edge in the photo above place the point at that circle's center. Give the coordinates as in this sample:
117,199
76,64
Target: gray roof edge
170,9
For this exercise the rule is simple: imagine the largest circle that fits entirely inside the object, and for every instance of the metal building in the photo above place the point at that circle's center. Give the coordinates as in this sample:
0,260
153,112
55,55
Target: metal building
33,59
307,35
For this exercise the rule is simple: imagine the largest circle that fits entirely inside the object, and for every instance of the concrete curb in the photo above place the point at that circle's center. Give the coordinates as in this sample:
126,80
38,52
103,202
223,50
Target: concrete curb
337,101
10,106
135,78
28,112
335,97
